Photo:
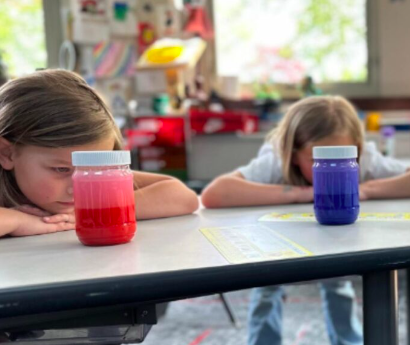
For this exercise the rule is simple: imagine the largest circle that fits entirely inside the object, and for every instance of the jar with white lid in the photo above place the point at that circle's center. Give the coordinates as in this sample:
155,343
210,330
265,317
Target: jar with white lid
336,184
103,197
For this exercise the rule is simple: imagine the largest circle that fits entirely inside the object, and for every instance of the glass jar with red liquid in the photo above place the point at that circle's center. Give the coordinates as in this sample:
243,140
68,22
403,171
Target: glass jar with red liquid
103,197
336,184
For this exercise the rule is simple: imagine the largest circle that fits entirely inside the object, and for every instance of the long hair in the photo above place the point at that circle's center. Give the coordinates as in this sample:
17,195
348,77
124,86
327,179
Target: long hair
51,108
309,120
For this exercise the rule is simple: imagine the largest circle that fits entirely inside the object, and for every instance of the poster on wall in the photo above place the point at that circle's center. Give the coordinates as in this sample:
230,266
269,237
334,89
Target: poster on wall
89,21
167,21
92,8
122,18
117,93
114,59
145,10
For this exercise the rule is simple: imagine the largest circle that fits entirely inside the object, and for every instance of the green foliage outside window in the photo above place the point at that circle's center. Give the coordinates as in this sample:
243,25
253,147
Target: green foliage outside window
22,38
333,20
282,41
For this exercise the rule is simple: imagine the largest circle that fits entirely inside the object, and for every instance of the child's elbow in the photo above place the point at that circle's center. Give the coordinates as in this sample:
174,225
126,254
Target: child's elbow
211,196
192,203
188,201
210,201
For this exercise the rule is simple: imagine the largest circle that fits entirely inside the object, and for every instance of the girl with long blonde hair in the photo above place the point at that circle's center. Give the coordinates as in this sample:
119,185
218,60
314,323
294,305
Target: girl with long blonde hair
282,174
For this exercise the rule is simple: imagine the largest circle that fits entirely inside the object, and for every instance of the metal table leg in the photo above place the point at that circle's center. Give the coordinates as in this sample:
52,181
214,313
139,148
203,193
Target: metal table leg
229,310
380,308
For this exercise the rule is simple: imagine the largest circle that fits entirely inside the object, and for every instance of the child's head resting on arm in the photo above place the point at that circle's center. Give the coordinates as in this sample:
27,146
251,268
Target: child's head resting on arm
43,118
314,121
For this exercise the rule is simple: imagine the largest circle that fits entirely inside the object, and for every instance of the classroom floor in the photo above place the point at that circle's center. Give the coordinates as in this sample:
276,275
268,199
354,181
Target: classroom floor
203,321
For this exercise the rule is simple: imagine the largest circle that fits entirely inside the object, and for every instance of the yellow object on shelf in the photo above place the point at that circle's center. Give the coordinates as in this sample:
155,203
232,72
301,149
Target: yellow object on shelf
164,54
172,53
373,121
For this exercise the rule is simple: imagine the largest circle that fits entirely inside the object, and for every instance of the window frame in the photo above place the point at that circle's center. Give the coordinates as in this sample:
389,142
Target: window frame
53,30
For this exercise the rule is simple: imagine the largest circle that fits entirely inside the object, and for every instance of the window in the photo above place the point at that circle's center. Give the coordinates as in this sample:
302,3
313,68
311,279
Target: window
22,39
282,41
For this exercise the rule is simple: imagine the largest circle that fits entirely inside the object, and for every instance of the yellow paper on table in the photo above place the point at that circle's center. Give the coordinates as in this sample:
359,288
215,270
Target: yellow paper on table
310,217
253,242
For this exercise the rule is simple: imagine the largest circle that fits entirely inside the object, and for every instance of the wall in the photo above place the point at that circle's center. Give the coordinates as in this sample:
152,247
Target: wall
213,155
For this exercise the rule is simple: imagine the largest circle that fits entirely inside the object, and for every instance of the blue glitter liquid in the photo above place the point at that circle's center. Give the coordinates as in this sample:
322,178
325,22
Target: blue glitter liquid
336,191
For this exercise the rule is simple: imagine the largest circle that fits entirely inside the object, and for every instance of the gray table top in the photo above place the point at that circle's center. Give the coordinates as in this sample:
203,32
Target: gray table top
175,245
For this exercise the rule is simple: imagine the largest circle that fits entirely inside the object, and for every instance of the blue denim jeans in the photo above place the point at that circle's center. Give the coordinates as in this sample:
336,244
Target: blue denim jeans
340,308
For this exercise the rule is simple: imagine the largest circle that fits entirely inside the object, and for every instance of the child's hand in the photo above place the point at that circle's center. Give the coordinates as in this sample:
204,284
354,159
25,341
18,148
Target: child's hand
29,225
35,211
58,218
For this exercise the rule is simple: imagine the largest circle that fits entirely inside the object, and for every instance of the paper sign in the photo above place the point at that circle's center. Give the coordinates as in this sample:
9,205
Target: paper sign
254,242
310,217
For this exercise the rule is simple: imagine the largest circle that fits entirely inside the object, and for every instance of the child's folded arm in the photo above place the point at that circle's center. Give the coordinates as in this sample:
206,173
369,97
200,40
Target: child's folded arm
388,188
234,190
17,223
158,196
9,221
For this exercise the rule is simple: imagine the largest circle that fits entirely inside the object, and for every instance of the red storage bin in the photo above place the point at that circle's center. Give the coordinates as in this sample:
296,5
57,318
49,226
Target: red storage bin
157,145
156,131
208,122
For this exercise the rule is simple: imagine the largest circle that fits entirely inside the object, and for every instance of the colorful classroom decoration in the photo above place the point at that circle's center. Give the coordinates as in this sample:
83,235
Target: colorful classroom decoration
146,36
122,18
114,59
92,7
198,22
117,92
167,21
120,11
171,52
89,24
164,54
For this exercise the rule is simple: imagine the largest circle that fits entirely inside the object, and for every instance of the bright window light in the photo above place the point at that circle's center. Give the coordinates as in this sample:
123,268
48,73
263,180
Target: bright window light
22,37
282,41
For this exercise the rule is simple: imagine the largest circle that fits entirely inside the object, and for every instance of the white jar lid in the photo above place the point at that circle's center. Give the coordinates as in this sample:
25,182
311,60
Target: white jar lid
100,158
334,152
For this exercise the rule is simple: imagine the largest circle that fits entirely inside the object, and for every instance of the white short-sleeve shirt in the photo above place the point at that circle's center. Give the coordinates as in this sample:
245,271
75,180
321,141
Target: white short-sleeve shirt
266,167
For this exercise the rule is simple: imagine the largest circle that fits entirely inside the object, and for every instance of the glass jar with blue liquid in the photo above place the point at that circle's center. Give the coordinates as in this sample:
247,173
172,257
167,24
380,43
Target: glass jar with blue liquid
336,184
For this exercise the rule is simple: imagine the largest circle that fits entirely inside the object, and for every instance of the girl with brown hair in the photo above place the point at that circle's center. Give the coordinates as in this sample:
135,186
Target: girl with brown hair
44,117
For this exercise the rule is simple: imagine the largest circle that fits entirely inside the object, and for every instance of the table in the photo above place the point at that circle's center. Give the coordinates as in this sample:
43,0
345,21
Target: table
170,259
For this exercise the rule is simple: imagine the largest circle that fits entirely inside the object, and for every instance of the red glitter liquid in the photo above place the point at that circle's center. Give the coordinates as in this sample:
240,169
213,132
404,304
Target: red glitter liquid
106,226
104,207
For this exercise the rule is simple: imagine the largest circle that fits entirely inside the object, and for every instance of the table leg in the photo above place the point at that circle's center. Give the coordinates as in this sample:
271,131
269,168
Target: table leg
229,310
380,308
